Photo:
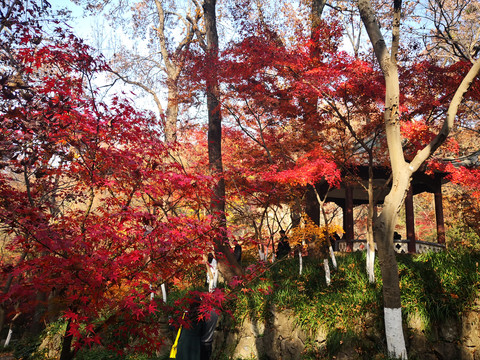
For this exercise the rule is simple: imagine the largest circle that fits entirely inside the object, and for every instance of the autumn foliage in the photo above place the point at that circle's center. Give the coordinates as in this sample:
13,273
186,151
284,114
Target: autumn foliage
97,212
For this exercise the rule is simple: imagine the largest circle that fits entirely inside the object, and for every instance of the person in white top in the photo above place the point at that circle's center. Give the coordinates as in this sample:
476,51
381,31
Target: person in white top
212,272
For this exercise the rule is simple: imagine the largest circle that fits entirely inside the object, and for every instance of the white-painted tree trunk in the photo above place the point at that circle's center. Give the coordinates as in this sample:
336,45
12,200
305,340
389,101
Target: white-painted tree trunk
371,263
402,169
212,275
300,260
327,271
394,333
164,293
9,337
332,256
261,254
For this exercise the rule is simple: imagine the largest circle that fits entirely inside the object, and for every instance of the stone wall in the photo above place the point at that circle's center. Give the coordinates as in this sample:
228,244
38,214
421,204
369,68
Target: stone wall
279,338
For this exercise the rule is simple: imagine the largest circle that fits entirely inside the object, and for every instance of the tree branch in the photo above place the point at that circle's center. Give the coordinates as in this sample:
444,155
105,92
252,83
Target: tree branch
464,86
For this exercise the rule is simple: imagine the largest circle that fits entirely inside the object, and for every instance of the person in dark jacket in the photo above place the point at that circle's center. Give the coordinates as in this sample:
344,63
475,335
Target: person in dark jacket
237,251
283,247
206,340
189,343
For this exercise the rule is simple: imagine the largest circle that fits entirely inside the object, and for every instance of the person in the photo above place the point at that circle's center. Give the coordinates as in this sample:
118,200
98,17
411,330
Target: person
335,241
206,339
283,247
212,272
237,251
189,342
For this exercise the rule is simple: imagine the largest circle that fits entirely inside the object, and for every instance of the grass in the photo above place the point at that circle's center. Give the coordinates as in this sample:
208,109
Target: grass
308,295
437,286
434,286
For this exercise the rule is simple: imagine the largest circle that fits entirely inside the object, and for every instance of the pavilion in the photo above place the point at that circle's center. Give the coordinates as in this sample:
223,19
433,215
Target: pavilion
352,193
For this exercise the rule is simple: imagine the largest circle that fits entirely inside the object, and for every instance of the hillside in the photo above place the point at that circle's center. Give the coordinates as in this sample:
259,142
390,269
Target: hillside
303,318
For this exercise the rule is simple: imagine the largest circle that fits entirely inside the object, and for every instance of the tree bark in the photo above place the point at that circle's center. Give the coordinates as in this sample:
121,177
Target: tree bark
228,265
66,353
172,112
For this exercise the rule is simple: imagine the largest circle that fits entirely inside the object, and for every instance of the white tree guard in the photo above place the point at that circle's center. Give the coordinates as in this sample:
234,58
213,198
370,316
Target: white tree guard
212,282
332,255
394,333
261,254
371,264
300,258
327,271
9,337
164,293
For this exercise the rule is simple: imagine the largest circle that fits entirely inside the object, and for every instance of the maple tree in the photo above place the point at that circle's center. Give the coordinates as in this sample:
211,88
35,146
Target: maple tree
98,211
96,215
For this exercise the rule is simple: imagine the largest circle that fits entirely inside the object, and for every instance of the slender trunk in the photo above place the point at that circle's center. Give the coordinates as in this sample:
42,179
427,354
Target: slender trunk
10,329
171,113
370,260
261,253
326,267
300,262
6,288
273,251
329,243
227,263
384,227
164,293
370,219
66,353
9,337
332,256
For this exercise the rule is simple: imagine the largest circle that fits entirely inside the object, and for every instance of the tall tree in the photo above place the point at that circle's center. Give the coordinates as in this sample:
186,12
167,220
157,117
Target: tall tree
229,267
402,170
159,62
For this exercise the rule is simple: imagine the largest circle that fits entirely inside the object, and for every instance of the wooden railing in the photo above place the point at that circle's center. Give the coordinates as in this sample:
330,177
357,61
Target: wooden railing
401,246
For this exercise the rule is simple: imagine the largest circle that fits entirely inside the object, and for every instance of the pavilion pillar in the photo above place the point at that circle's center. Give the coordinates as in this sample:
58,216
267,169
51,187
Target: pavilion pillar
439,210
410,222
348,217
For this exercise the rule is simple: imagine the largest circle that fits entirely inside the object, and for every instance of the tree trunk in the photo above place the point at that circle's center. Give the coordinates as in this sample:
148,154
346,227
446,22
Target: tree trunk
370,218
227,263
384,227
172,112
316,11
66,353
5,289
